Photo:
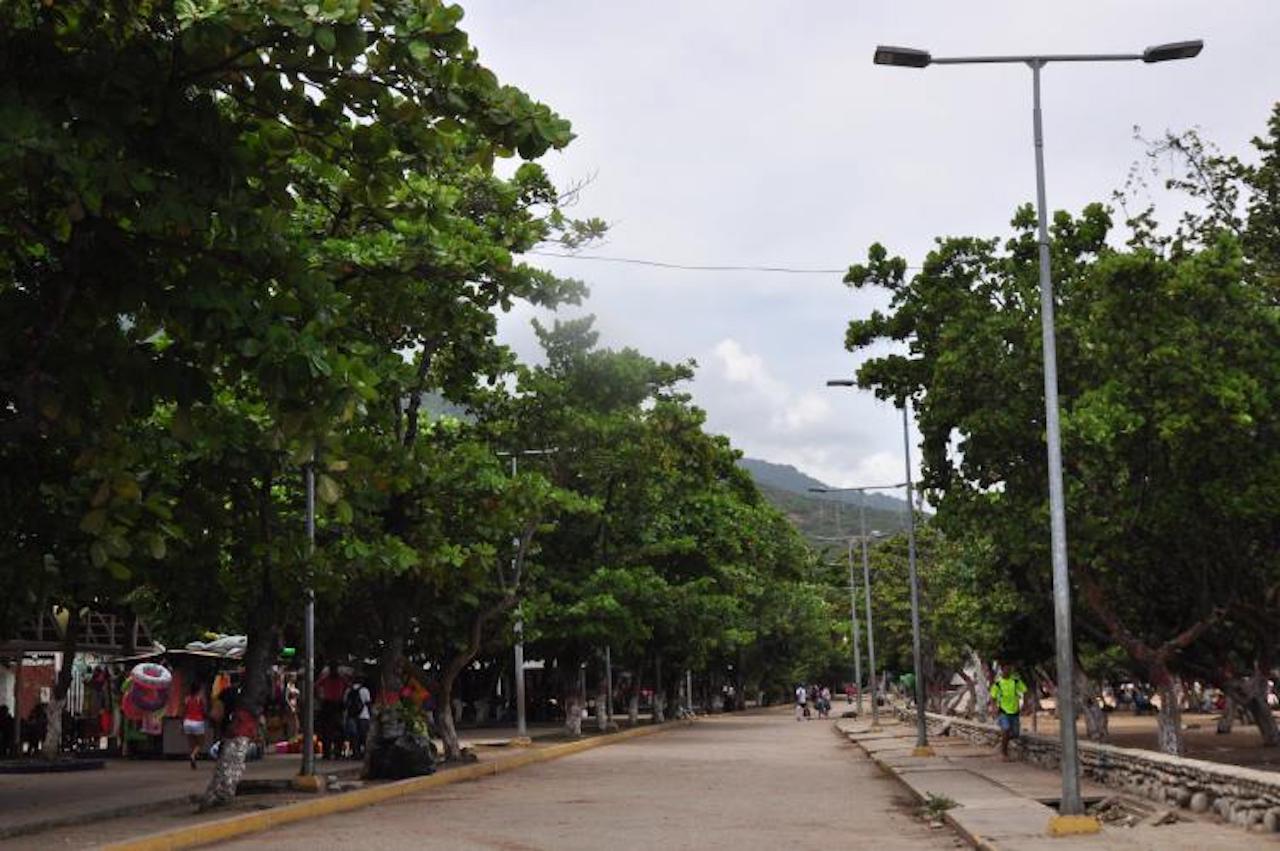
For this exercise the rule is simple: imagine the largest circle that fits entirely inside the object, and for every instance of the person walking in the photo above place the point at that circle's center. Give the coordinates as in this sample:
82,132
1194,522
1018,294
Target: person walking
802,699
195,713
824,703
357,703
1006,693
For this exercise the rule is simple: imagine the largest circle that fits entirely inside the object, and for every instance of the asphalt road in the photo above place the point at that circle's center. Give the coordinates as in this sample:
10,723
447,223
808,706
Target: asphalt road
739,782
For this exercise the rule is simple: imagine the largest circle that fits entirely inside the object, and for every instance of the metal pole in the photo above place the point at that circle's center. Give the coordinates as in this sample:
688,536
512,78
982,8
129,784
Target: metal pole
522,725
853,621
922,733
688,690
608,684
1071,803
522,728
309,637
866,587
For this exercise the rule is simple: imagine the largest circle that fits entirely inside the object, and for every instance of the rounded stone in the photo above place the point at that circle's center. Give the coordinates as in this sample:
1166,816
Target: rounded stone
1200,802
1271,821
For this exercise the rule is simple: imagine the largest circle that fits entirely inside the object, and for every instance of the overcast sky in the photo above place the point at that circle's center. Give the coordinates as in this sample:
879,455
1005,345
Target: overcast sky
760,133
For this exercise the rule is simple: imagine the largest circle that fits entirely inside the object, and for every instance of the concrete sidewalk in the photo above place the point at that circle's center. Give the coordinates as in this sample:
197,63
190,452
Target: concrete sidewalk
1007,805
32,803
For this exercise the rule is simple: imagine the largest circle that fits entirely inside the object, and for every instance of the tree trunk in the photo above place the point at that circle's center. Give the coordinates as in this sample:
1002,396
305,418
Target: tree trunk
241,728
1088,694
602,705
53,712
633,706
449,733
573,699
659,693
982,686
1252,697
1169,721
390,668
448,730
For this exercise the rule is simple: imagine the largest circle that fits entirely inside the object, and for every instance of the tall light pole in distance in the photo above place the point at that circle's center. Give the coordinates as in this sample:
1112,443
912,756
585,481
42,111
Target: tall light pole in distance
922,731
866,588
522,726
853,614
1071,807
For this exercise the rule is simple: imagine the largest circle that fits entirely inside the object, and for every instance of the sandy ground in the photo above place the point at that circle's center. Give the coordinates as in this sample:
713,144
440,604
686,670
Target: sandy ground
1243,746
741,782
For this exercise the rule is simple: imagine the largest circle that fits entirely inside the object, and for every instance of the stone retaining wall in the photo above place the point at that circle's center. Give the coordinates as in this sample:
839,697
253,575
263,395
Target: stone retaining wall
1243,796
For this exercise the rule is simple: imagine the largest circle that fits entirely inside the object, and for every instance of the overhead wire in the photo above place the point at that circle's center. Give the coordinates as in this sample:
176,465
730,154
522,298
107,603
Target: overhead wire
694,267
689,267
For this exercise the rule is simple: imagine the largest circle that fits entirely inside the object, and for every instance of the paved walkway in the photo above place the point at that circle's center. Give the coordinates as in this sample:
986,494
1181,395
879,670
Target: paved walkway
32,801
751,781
1006,805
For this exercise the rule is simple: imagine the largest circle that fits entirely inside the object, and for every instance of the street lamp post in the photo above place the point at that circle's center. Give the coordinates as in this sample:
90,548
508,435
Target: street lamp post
922,731
1071,804
866,589
522,726
853,615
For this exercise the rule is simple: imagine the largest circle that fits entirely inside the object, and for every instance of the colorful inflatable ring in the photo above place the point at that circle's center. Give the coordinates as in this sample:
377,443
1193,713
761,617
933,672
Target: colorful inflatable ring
150,690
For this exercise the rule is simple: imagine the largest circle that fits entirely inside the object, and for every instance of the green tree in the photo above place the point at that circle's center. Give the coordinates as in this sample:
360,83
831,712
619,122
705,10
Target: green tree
1168,382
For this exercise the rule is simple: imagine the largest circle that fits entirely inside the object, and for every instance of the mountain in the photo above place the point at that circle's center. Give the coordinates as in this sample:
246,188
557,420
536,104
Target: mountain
784,477
820,516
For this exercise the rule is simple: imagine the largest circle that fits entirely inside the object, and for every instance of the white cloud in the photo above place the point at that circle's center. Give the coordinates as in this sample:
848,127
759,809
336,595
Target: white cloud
802,412
741,367
785,411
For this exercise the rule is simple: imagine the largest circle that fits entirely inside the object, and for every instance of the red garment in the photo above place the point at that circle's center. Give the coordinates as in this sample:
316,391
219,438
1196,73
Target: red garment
243,724
193,708
332,689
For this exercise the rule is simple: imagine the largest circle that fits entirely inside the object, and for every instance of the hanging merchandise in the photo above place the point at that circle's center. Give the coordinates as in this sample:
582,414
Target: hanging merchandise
146,690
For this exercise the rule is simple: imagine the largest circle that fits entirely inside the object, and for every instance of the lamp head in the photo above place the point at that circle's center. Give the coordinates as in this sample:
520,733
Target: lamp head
841,382
1173,50
904,57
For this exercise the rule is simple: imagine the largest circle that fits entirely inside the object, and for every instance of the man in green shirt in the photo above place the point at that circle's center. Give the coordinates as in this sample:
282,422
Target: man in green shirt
1006,694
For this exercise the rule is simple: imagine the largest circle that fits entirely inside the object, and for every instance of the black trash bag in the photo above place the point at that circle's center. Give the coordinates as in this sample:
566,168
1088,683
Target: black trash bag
402,749
406,755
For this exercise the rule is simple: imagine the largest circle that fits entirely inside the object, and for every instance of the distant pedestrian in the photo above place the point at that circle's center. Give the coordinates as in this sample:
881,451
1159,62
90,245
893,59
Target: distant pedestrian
195,713
1006,694
356,703
802,702
824,703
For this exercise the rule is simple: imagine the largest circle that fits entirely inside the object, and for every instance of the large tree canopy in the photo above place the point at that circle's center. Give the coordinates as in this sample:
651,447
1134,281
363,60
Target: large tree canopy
1169,353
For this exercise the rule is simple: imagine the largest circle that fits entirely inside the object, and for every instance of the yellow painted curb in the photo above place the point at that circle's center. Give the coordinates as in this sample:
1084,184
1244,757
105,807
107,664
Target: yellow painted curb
231,827
922,750
1073,825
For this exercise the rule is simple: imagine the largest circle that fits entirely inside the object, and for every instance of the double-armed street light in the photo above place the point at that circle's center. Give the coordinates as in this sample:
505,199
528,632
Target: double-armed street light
1071,804
866,587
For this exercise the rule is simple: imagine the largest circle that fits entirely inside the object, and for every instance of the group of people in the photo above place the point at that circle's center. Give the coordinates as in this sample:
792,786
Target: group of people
812,700
345,712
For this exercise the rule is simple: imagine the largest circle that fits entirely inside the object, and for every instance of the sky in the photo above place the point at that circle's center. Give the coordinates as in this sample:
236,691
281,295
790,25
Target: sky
760,133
